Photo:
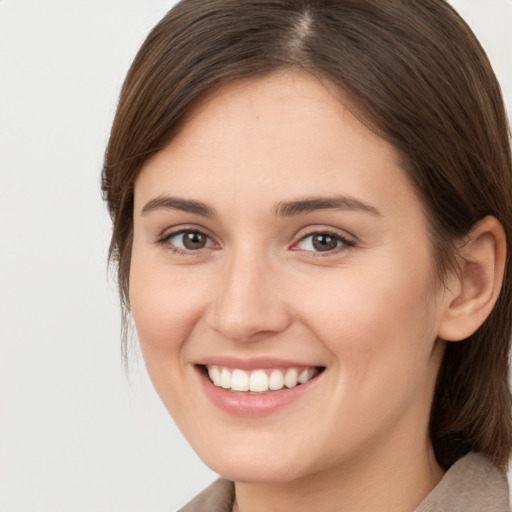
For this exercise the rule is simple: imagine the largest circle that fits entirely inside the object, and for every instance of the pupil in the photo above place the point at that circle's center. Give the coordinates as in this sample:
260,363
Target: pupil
324,242
194,240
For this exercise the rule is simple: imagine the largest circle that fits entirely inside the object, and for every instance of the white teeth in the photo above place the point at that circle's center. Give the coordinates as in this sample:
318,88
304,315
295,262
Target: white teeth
225,378
305,375
259,381
239,381
214,374
291,378
276,380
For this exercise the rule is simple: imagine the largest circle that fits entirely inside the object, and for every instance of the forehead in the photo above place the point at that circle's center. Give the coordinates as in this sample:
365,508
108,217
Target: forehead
282,135
285,106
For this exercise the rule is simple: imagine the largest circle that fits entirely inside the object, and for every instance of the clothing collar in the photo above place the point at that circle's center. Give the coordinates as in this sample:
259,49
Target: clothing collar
472,484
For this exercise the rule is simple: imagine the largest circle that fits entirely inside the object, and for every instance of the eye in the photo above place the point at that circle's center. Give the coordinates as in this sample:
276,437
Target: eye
188,240
322,242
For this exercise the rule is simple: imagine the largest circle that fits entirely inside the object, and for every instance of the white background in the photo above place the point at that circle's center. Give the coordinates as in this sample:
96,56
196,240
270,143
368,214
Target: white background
75,435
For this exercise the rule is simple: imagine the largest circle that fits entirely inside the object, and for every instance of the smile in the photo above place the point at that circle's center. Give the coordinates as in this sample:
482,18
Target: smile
259,380
255,388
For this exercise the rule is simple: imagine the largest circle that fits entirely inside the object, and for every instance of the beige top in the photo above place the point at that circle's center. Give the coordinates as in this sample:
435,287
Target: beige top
472,484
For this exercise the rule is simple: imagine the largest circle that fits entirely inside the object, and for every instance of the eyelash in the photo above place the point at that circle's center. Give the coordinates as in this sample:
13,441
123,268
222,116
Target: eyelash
345,243
166,241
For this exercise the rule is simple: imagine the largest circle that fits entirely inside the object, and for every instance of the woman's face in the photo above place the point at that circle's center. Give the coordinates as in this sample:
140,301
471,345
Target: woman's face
278,243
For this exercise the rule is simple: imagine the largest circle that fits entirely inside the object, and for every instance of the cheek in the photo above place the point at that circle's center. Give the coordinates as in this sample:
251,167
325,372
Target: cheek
163,303
381,337
161,315
379,326
165,310
165,307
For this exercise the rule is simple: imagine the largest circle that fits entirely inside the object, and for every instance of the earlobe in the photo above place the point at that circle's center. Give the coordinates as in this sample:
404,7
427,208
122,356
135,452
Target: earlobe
478,284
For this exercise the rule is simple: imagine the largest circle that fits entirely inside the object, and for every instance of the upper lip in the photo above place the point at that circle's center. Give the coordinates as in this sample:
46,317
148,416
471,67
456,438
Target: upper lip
253,363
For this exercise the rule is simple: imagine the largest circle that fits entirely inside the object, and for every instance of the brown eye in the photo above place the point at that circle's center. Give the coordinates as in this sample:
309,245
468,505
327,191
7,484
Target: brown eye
194,240
189,240
324,242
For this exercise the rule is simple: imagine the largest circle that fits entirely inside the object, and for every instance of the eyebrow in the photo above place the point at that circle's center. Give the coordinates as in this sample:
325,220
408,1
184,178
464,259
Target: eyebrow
283,209
175,203
310,204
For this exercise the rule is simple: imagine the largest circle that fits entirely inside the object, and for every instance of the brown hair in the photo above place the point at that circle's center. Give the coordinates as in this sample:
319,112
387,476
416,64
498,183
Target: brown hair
416,74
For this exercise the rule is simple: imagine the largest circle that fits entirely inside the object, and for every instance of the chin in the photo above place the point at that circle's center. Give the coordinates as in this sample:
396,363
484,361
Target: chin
255,465
256,473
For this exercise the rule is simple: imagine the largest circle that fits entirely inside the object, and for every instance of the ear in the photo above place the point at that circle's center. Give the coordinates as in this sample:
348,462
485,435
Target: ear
472,294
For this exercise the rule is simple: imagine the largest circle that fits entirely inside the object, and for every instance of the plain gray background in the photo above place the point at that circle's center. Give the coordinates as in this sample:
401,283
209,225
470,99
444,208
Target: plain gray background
75,435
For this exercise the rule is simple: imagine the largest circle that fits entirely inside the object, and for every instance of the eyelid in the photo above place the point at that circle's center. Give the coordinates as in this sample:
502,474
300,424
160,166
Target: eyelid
348,241
169,233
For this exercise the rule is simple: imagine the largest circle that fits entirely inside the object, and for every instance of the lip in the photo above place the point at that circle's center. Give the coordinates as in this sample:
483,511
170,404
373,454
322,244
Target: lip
246,404
253,363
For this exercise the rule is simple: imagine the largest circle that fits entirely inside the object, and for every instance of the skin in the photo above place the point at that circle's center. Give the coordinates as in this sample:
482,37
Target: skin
369,311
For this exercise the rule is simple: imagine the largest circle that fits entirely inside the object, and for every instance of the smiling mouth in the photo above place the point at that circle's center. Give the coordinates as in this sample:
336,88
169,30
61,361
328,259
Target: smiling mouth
260,380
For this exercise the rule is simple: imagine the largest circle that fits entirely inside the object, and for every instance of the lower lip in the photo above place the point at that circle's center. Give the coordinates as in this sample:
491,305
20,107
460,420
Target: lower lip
244,404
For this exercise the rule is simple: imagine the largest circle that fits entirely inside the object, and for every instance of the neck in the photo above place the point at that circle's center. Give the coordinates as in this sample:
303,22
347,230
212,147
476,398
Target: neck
395,483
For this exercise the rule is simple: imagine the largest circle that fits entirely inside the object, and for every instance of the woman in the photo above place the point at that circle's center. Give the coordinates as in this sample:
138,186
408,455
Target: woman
311,203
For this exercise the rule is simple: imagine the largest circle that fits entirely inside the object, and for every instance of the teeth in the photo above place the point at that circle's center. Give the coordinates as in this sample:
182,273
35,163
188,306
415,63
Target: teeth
276,380
290,379
259,381
305,375
239,381
225,378
214,374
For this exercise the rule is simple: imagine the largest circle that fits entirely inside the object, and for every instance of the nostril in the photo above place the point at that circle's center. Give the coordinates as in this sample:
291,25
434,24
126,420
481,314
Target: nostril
245,309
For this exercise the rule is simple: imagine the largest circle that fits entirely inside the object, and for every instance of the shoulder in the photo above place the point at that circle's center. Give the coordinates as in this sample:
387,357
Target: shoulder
472,484
218,497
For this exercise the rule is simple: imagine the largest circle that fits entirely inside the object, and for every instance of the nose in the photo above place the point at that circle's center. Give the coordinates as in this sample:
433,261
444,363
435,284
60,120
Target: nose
248,303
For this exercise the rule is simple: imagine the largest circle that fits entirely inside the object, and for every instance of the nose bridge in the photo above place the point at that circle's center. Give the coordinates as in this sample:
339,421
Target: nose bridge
247,302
